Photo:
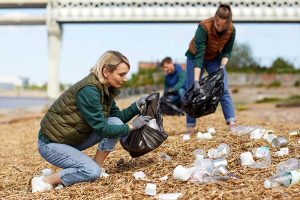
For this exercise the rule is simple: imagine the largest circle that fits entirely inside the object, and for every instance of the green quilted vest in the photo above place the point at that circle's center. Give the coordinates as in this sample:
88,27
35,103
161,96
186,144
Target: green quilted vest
63,122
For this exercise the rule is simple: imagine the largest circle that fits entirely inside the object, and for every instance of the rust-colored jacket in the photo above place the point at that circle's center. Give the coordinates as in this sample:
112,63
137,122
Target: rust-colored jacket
214,42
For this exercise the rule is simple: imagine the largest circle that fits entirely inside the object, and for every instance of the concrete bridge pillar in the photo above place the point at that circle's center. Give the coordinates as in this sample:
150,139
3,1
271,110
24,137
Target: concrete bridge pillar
54,47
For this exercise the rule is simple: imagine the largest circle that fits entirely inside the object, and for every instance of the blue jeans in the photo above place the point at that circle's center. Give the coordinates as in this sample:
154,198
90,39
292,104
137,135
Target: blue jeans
176,98
77,166
226,100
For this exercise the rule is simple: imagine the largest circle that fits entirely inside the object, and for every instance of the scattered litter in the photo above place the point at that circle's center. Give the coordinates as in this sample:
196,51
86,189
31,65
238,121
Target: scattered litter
139,175
246,159
59,187
186,137
219,162
287,179
282,152
164,156
294,132
182,173
104,174
270,138
211,130
170,196
261,152
280,142
150,189
257,133
47,172
164,178
222,151
204,136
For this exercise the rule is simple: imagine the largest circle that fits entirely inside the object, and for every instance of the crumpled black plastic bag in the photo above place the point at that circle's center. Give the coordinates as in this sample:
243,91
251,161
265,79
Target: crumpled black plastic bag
141,141
205,101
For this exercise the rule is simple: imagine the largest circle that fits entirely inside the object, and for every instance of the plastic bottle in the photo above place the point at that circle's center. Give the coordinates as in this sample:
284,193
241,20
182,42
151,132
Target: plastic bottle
287,179
287,166
241,130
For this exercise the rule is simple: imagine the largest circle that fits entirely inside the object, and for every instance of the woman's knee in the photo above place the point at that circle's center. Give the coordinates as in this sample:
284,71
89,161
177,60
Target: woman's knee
92,172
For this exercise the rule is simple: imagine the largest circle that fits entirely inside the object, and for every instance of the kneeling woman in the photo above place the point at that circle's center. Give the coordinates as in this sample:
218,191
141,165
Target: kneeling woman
84,115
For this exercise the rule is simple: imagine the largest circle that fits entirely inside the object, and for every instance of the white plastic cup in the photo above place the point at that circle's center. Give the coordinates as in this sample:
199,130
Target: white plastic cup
186,137
256,134
211,130
271,137
246,158
181,173
262,152
219,162
150,189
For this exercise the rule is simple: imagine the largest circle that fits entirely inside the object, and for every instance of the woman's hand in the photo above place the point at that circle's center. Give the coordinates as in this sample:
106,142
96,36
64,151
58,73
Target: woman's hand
141,101
139,122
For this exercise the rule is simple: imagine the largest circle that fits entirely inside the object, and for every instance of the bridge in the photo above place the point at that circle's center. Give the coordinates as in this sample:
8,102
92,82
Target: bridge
58,12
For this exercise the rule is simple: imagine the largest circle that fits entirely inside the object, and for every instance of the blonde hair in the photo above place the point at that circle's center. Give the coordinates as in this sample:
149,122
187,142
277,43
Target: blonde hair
109,60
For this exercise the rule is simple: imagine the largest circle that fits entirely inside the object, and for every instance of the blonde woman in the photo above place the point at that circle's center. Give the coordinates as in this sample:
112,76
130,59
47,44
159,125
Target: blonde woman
84,115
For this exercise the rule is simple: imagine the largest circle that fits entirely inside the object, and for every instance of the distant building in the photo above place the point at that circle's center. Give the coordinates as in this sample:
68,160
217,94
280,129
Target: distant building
12,82
154,65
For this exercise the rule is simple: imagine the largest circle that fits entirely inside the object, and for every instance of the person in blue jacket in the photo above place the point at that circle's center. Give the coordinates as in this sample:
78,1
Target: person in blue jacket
174,81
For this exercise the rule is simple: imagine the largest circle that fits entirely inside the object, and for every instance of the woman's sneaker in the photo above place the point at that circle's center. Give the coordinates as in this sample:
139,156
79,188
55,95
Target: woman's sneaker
39,185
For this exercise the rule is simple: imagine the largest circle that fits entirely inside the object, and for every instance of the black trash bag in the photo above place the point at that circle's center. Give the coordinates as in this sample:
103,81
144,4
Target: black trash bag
168,108
141,141
205,101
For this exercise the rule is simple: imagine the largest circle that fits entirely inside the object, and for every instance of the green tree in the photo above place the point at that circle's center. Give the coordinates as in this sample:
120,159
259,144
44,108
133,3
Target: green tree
282,66
241,56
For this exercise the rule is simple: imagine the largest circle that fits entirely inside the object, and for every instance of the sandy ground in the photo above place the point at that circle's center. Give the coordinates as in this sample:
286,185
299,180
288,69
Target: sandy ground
20,160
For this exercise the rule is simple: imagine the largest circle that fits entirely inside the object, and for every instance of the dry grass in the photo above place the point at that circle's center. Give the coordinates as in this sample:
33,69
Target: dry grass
20,161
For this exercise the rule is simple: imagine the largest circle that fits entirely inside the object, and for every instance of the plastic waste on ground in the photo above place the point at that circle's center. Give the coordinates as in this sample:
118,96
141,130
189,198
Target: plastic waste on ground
59,187
47,172
294,132
204,136
287,173
270,138
170,196
287,179
211,130
280,142
288,165
150,189
246,158
164,178
261,152
103,173
282,152
182,173
164,156
263,158
186,137
241,130
139,175
199,152
257,133
222,151
220,162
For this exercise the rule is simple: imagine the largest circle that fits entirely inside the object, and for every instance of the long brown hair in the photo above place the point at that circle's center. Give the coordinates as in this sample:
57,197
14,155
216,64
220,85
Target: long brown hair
109,60
224,12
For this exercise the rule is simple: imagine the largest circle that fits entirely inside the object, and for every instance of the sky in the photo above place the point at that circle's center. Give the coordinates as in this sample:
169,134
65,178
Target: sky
24,49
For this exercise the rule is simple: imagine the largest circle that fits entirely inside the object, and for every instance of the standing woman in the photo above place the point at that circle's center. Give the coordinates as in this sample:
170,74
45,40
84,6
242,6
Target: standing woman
210,49
84,115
